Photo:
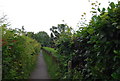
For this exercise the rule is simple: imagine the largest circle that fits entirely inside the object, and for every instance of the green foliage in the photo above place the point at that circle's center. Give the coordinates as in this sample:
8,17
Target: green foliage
51,50
51,65
90,54
57,31
42,37
30,34
94,50
19,54
64,46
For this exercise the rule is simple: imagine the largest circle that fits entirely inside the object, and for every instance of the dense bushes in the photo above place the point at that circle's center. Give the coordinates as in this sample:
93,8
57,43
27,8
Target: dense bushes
19,54
93,51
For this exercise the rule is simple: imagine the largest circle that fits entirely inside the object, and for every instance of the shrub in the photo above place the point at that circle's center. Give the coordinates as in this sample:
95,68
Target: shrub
19,54
94,50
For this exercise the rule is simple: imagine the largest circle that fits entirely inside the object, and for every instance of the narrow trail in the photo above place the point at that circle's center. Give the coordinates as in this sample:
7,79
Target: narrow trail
40,71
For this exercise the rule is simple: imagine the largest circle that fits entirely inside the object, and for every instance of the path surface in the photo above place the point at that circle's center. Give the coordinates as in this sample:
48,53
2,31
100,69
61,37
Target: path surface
40,71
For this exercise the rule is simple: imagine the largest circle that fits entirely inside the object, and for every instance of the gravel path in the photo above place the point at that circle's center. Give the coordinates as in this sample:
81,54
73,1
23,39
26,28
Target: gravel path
41,69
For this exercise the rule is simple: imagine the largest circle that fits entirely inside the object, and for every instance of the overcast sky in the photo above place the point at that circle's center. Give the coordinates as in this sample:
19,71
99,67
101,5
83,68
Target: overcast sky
41,15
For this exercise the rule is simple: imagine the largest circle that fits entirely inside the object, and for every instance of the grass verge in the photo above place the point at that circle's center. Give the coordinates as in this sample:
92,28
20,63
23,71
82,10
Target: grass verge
51,50
51,66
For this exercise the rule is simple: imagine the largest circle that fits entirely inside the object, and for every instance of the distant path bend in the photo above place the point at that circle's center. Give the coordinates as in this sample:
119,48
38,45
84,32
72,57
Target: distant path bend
40,71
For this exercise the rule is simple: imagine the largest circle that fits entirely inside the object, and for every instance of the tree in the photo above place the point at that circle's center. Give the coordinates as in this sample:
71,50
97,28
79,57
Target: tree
57,32
42,37
31,34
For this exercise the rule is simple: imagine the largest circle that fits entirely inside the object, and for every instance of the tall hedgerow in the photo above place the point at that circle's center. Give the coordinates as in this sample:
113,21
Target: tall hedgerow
19,54
93,51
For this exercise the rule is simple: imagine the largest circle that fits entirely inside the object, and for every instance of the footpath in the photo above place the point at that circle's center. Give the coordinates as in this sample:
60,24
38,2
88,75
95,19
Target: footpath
40,71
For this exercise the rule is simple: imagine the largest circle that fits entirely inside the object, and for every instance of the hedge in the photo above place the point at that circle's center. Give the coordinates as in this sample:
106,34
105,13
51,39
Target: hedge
94,50
19,54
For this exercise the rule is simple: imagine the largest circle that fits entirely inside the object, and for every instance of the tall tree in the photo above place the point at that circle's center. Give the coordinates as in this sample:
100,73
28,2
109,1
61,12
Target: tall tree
56,32
43,38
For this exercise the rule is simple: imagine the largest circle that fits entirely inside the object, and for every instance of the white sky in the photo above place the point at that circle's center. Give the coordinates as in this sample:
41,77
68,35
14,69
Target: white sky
41,15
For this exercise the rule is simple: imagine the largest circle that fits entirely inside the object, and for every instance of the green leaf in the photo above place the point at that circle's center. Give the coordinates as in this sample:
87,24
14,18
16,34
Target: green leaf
118,27
115,75
114,24
112,5
103,10
115,51
93,11
11,44
92,3
109,10
91,31
99,4
84,13
93,8
99,9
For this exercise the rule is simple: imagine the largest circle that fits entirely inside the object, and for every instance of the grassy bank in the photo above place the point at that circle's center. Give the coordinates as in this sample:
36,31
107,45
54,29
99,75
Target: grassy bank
51,65
51,50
